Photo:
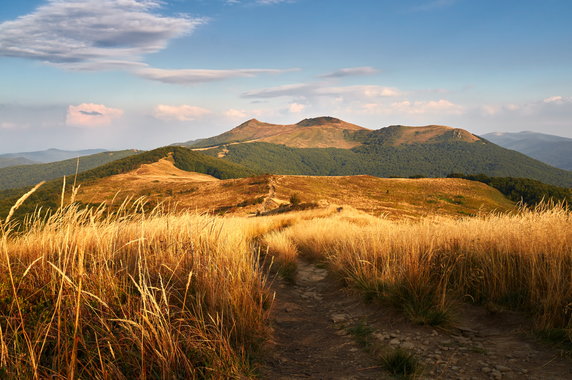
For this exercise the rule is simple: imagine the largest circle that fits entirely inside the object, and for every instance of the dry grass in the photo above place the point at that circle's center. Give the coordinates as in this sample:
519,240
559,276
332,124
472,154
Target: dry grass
519,261
131,295
162,294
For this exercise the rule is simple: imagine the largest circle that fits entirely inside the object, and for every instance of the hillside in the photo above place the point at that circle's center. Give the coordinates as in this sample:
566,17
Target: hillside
15,161
51,155
14,177
181,159
553,150
396,151
320,132
395,197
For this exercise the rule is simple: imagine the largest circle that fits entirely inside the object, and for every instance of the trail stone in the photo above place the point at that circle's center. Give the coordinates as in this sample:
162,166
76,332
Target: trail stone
339,318
394,341
408,345
502,368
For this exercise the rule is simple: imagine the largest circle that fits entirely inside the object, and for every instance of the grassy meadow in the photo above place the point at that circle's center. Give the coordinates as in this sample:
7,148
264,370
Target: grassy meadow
86,293
517,261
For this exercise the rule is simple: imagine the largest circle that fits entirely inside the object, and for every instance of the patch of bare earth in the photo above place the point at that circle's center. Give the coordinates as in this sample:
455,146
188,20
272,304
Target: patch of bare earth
306,343
312,320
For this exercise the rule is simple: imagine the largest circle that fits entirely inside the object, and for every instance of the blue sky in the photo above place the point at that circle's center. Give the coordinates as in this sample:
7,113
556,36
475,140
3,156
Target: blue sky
116,74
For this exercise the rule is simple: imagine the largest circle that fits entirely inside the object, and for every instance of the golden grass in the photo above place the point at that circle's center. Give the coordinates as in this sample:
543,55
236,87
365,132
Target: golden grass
131,295
89,293
519,261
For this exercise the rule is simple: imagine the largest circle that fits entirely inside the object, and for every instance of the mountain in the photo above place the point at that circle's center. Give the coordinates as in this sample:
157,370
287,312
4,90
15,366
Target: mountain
51,155
553,150
14,177
432,151
320,132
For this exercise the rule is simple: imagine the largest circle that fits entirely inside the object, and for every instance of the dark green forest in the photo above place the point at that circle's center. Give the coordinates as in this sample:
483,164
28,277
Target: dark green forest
526,190
381,160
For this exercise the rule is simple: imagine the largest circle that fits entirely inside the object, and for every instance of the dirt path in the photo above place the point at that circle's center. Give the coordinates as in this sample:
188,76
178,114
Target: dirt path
311,340
308,344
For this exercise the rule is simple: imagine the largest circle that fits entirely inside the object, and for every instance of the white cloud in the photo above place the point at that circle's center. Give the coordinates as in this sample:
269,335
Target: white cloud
96,35
351,71
558,100
308,90
296,107
91,115
235,114
8,125
419,107
182,112
92,34
361,91
192,76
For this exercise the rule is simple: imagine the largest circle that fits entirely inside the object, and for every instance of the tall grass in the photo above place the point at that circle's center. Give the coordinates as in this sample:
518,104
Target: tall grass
519,261
87,294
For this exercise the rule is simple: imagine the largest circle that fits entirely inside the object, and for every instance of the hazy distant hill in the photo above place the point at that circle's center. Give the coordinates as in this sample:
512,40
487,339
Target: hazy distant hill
433,151
51,155
15,161
14,177
554,150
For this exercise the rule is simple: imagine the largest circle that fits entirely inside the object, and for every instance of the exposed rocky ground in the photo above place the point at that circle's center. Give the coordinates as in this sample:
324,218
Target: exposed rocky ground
315,322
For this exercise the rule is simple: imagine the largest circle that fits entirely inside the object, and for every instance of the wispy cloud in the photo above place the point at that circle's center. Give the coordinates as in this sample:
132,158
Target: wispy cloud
192,76
419,107
351,71
182,112
96,35
92,34
310,90
433,4
91,115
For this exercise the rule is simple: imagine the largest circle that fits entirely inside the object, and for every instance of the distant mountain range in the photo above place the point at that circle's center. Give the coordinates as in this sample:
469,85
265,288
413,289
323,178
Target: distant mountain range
14,177
329,146
43,156
553,150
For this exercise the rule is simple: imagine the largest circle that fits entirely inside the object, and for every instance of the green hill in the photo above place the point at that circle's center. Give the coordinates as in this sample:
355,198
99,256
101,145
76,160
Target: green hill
25,175
373,157
183,158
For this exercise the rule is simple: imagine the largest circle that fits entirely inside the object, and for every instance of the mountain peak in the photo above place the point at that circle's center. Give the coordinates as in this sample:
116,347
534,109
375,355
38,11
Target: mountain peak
315,121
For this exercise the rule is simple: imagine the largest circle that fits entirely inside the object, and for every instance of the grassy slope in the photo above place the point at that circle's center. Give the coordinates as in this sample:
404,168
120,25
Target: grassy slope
26,175
183,159
394,196
432,160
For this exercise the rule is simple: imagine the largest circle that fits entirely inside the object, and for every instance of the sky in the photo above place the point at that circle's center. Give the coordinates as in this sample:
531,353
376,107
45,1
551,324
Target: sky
116,74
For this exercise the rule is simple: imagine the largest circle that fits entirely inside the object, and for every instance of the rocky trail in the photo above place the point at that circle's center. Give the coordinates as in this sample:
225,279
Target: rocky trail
315,319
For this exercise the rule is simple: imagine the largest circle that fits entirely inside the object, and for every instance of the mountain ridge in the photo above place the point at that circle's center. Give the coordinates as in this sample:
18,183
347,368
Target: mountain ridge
551,149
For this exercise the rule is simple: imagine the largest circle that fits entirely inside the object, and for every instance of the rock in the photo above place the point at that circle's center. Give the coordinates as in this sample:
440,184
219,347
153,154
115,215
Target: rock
502,368
394,341
408,346
486,370
380,336
339,318
496,374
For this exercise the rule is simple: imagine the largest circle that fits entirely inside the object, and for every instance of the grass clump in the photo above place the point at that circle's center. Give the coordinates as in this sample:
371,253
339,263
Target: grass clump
401,363
134,294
